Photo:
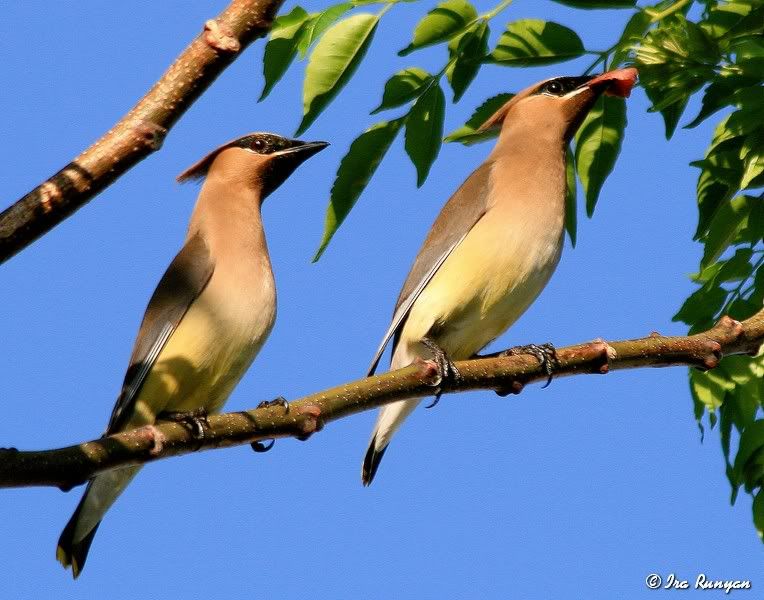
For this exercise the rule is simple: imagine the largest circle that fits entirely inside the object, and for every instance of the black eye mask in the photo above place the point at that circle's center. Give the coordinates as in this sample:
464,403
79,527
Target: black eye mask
264,143
562,85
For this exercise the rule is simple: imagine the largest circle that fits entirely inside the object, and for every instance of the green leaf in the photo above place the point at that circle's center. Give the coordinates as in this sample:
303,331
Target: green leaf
424,130
729,219
753,154
353,175
571,216
758,291
595,4
675,60
403,87
441,23
749,53
719,179
744,121
712,193
758,513
745,49
672,113
730,21
725,433
754,227
634,31
318,23
532,42
723,17
753,471
737,369
757,363
720,378
702,305
282,47
706,390
736,268
749,25
742,309
289,20
598,143
749,449
470,50
721,93
467,133
333,61
744,403
723,162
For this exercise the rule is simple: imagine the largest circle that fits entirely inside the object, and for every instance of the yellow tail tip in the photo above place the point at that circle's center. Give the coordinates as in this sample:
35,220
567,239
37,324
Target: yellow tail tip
67,561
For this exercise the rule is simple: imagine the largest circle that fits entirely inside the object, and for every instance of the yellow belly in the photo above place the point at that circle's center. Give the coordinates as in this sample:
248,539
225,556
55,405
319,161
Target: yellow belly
204,358
486,283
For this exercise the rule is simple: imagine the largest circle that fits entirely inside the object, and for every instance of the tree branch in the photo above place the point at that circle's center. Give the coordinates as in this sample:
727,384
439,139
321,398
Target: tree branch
73,465
142,130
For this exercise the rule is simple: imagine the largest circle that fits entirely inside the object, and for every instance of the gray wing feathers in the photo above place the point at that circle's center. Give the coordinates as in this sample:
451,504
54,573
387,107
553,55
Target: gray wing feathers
182,283
402,310
465,208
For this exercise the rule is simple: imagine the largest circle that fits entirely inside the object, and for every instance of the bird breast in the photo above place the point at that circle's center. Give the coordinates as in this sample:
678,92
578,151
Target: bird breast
495,273
218,339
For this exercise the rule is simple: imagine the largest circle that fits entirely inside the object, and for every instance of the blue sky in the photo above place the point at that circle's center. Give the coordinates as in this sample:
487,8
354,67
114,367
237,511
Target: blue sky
578,490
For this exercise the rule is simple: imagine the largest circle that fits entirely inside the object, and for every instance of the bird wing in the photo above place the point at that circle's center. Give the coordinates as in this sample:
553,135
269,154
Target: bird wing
182,283
465,208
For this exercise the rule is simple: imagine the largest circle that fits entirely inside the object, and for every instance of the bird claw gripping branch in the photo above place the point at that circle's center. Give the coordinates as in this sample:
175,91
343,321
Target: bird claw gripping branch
195,420
546,354
446,368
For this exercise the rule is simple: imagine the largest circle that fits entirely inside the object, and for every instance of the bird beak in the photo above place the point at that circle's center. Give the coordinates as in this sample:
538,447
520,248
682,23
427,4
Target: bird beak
577,103
284,162
300,151
613,83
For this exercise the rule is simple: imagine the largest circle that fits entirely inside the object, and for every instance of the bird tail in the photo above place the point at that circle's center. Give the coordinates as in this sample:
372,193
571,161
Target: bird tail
100,494
390,419
71,553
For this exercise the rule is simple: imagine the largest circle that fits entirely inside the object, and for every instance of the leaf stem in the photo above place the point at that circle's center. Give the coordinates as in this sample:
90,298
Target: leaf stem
496,10
657,16
484,17
601,58
385,8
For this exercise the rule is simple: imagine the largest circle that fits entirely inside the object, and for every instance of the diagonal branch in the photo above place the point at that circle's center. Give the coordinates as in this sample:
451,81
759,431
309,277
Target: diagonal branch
73,465
142,130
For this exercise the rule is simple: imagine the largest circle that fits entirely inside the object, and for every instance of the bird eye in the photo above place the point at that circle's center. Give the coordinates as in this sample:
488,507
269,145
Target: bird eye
258,145
553,87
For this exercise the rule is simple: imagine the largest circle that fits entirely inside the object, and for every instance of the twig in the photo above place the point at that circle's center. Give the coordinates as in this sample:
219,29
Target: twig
70,466
142,130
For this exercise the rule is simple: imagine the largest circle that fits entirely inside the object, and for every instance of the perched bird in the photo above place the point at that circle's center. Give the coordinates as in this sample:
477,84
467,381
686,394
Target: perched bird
209,316
495,243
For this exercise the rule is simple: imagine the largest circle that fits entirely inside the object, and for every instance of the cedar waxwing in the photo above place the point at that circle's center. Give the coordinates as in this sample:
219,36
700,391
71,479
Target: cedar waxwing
495,243
209,316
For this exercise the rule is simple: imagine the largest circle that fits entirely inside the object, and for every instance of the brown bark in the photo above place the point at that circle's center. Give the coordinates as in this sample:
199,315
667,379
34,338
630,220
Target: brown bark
142,130
70,466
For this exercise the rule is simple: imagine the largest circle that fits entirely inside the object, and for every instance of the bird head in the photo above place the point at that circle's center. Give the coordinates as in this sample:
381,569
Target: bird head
262,159
555,108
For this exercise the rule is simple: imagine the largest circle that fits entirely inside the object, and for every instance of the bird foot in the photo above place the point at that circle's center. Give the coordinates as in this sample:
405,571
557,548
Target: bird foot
447,370
546,354
261,446
195,420
280,401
